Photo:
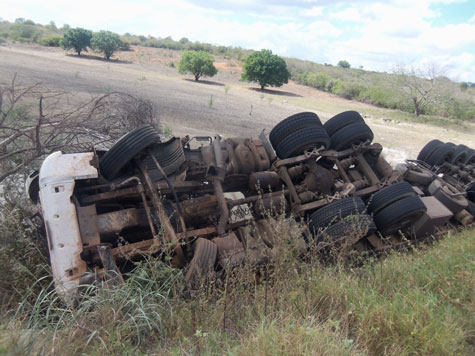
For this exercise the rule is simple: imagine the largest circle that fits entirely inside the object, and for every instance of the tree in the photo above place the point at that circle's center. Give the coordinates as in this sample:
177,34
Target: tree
77,38
106,42
344,64
266,69
198,63
419,84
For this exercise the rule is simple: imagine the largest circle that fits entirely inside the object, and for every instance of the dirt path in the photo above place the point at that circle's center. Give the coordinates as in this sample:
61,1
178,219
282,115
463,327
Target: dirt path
221,105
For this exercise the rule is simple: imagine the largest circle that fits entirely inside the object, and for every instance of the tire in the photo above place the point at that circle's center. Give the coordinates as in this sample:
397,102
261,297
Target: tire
471,208
202,263
170,156
355,225
419,175
470,160
341,120
428,149
336,211
441,154
124,150
399,215
299,141
291,124
443,194
460,154
389,195
350,135
471,193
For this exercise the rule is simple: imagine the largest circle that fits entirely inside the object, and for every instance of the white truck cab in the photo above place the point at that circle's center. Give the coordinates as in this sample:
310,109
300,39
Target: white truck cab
58,175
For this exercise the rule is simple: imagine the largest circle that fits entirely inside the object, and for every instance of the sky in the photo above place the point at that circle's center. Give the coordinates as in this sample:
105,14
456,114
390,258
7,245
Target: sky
375,35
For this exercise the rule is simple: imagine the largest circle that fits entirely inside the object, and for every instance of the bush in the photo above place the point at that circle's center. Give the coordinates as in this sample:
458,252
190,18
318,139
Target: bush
347,90
106,42
266,69
197,63
76,38
318,80
24,32
51,41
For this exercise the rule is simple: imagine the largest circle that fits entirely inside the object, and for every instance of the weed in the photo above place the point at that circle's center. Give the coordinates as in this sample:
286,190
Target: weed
210,101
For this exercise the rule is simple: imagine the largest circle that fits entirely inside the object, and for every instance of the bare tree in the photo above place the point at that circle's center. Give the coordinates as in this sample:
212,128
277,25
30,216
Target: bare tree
36,121
420,84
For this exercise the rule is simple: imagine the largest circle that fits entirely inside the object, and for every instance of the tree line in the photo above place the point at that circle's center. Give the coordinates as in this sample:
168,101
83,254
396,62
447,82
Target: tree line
408,90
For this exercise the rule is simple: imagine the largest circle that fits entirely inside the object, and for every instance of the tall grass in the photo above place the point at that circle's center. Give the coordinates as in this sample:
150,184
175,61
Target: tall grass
418,302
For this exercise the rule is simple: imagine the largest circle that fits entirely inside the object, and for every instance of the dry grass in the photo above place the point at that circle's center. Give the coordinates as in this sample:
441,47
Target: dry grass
412,303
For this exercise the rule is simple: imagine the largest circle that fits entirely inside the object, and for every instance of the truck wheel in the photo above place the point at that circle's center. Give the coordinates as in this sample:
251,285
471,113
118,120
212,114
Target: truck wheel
336,211
445,193
350,135
399,215
341,120
460,154
471,192
390,194
470,160
124,150
428,149
170,156
202,263
291,124
441,154
354,226
299,141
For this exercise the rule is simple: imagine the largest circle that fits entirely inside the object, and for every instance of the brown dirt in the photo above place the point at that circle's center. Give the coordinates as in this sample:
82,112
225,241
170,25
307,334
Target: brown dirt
221,104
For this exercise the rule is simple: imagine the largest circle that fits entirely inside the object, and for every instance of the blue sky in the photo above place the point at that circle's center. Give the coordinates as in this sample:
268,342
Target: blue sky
378,35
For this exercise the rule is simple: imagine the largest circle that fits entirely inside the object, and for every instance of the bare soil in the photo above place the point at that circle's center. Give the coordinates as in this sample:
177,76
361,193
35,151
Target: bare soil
222,104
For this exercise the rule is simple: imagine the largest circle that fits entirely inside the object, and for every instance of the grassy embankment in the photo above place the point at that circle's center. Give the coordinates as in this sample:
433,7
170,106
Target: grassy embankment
417,302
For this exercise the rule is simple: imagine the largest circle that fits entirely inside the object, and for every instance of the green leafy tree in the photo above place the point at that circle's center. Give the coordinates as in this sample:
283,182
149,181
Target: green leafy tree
344,64
198,63
266,69
106,42
77,38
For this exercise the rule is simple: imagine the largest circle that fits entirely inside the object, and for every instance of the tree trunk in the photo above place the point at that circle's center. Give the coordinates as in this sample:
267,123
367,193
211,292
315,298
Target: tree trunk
263,86
79,53
417,109
197,77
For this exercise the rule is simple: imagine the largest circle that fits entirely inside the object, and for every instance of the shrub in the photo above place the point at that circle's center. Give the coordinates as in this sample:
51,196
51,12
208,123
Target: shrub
106,42
198,63
51,41
347,90
24,32
76,38
266,69
376,96
318,80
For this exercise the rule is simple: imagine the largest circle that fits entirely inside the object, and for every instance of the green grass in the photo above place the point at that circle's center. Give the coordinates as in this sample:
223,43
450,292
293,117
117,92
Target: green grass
417,302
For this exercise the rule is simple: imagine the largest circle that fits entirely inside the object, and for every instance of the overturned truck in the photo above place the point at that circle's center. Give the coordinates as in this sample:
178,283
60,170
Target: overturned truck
210,203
